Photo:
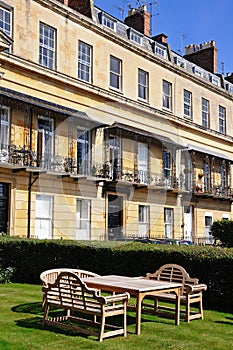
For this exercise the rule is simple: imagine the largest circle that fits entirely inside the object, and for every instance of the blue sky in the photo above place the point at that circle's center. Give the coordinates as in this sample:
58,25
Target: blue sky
187,22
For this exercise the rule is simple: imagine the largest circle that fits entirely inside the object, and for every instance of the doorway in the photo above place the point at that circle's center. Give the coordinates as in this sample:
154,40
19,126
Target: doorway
115,213
4,200
188,222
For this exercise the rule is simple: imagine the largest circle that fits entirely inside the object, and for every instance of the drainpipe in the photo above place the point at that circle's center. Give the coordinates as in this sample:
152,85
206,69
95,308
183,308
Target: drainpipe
31,183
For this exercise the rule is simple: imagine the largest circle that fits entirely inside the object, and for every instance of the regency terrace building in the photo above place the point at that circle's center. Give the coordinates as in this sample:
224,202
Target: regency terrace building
106,132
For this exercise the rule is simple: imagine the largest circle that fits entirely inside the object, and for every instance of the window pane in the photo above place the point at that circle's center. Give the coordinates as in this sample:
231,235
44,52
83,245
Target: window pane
167,95
115,73
142,84
84,62
47,46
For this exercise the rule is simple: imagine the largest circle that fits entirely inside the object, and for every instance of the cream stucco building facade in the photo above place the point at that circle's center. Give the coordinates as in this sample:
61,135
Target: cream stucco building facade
107,133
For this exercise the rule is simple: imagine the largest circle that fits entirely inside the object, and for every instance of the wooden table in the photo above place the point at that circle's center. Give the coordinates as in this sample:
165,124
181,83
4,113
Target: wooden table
139,288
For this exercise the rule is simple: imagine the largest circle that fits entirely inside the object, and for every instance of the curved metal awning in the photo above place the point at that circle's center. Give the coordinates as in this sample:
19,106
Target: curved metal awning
144,133
211,152
48,106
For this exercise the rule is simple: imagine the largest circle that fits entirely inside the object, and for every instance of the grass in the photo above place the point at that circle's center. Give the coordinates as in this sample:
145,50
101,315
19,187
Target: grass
21,328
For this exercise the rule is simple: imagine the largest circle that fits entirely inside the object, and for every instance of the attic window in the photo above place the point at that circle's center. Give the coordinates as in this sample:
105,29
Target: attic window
160,50
135,36
180,62
108,21
214,80
197,71
229,88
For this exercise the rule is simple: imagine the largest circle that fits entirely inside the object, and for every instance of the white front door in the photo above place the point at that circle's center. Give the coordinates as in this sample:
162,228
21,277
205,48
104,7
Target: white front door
188,222
43,219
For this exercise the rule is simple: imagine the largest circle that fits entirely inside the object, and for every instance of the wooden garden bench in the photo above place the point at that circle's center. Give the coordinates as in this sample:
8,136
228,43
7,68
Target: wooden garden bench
50,276
71,294
191,291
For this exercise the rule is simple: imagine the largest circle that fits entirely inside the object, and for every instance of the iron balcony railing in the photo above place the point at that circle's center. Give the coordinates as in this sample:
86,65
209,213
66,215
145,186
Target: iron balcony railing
18,155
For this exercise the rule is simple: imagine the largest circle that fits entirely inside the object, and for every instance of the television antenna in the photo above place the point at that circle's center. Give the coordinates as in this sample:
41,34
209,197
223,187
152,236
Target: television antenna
182,37
121,10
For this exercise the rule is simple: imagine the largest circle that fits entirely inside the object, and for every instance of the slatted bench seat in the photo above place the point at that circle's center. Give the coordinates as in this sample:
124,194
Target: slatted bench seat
71,294
191,291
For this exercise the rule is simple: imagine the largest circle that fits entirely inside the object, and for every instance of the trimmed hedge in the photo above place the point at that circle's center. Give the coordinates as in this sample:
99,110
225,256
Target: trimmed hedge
222,231
212,265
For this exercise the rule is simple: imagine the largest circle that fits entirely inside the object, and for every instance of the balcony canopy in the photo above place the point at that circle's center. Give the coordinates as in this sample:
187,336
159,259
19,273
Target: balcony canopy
40,104
142,133
211,152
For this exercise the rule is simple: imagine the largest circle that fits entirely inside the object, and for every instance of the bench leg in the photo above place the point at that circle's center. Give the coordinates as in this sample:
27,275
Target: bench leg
46,313
102,324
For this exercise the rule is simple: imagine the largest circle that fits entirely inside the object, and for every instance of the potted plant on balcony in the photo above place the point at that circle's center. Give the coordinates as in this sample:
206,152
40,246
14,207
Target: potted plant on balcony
198,188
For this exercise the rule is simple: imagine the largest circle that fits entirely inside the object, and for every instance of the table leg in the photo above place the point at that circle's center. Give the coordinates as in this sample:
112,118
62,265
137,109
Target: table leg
138,313
177,321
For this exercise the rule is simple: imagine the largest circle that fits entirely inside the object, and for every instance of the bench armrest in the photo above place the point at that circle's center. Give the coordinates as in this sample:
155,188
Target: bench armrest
115,298
195,288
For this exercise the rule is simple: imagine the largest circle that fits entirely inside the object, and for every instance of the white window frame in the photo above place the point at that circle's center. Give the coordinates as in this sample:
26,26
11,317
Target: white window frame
43,216
205,112
83,214
222,119
168,222
143,85
84,61
6,23
135,36
167,168
208,237
115,76
143,220
108,21
187,104
5,127
143,162
160,50
85,145
47,147
114,155
167,95
180,61
198,71
47,46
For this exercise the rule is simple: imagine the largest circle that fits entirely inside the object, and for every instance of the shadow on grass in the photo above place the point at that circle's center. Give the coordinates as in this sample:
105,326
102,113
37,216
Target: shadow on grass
230,322
36,322
29,308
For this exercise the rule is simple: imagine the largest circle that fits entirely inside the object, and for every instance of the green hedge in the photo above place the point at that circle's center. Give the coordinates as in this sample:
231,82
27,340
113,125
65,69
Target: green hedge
212,265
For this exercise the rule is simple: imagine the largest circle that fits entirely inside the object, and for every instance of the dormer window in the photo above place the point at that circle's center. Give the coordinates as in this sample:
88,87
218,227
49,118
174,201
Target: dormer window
214,80
197,71
229,88
108,21
180,62
135,36
160,50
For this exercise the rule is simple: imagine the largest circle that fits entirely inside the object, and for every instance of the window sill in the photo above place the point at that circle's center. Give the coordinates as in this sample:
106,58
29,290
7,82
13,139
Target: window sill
143,101
115,90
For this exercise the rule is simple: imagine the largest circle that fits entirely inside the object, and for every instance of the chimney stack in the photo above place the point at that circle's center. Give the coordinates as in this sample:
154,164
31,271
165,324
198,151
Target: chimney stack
204,55
160,38
139,19
82,6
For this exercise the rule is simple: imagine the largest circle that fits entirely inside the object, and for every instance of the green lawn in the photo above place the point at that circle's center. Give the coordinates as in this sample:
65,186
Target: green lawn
21,328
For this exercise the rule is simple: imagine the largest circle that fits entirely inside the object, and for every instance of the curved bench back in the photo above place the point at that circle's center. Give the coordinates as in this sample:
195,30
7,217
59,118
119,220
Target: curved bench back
50,276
